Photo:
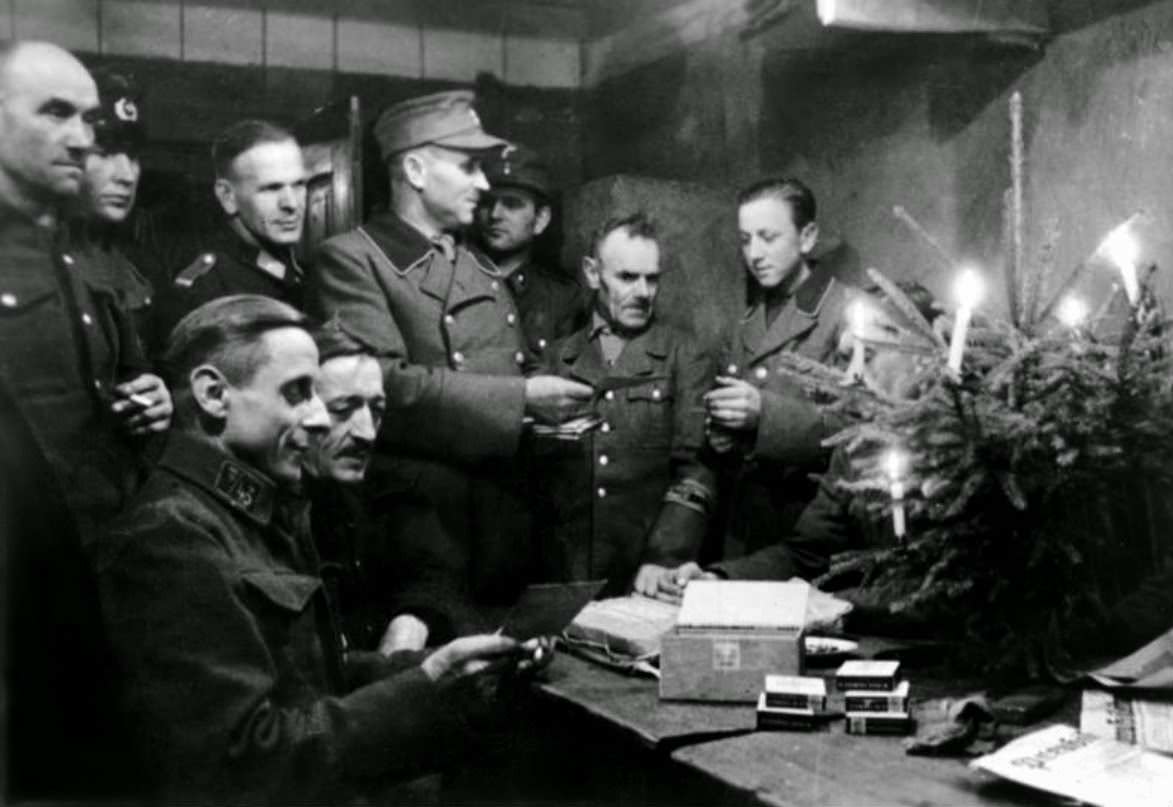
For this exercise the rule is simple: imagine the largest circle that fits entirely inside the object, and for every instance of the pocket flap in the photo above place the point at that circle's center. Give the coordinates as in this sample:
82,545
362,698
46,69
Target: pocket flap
654,391
289,591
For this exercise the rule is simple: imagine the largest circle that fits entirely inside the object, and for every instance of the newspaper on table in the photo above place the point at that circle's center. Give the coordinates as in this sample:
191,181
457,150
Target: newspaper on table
1096,770
1150,667
1126,717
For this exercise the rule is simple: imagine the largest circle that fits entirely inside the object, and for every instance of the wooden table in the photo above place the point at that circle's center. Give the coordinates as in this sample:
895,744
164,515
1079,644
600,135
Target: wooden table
716,744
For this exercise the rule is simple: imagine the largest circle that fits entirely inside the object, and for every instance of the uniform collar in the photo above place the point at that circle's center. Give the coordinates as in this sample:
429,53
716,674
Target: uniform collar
16,226
405,246
254,256
238,486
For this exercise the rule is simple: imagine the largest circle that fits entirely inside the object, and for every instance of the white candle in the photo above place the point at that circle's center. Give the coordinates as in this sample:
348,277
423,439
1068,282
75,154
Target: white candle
1122,249
968,290
858,315
1072,311
894,464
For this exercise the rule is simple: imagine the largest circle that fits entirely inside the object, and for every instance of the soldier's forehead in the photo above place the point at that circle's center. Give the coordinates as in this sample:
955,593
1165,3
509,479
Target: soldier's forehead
48,72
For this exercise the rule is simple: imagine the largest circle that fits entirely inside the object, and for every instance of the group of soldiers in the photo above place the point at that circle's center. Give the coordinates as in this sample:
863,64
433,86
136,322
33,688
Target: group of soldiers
284,504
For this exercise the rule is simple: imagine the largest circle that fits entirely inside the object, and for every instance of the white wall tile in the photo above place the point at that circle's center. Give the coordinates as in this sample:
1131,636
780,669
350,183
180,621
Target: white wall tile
224,35
136,28
460,55
72,24
299,40
542,62
383,48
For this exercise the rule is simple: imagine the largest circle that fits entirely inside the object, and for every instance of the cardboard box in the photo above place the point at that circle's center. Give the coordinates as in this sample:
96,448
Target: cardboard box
729,636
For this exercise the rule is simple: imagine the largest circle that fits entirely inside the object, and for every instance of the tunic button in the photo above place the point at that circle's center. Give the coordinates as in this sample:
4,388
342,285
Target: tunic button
449,319
8,300
602,493
761,373
510,318
731,369
609,395
606,427
494,285
541,344
87,319
67,259
603,460
97,384
147,301
458,357
519,357
656,394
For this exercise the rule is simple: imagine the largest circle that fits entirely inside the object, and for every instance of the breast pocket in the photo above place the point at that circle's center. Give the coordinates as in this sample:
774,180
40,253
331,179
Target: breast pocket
649,414
34,355
281,604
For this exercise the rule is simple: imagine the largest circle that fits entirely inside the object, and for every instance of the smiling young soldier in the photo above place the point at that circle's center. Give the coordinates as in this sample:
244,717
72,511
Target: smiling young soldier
235,677
261,188
446,333
633,496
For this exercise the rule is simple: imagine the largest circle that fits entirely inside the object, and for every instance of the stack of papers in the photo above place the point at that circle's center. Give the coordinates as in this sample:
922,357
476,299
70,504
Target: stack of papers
570,430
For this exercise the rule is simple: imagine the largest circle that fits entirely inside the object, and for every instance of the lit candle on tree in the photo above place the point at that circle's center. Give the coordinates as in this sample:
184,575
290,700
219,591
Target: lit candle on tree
1072,312
858,317
968,289
1121,248
895,465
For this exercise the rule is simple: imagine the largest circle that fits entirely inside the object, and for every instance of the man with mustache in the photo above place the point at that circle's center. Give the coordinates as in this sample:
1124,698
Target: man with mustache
511,218
261,188
634,496
69,352
235,676
354,528
446,332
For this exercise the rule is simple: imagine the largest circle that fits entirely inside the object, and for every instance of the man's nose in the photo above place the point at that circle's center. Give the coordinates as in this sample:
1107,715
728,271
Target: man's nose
316,419
364,430
123,170
287,199
497,211
79,134
642,289
480,181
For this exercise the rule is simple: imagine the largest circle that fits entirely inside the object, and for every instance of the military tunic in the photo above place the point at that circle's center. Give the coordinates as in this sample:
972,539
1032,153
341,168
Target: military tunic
636,489
224,265
768,482
552,305
66,340
235,681
448,337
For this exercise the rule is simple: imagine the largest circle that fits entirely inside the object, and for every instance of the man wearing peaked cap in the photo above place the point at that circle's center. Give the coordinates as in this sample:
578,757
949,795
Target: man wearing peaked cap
446,333
512,216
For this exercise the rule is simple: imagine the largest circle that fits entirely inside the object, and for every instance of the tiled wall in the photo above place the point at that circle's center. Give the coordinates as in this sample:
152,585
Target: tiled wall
256,35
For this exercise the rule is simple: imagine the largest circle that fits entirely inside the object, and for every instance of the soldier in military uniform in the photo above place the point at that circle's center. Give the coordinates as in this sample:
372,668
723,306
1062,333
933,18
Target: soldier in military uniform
511,218
69,352
235,677
446,332
101,221
633,496
382,597
767,427
261,187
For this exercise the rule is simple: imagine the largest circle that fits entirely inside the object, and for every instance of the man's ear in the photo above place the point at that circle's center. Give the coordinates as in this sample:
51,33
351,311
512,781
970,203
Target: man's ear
209,387
415,168
808,237
542,219
226,195
590,271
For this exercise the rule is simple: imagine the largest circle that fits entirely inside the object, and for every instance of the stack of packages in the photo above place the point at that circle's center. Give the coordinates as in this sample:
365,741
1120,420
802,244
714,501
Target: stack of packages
874,698
792,702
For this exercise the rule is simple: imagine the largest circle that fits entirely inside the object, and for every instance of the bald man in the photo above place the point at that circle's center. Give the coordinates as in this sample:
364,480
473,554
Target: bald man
69,364
69,352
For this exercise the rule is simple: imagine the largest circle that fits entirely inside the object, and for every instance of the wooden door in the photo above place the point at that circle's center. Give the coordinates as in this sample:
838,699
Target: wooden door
331,140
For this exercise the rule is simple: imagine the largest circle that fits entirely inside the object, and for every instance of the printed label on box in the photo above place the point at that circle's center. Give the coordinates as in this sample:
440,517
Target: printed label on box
726,655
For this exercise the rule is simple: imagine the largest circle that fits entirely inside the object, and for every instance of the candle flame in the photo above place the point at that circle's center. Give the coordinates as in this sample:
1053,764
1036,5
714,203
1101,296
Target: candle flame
969,288
859,314
1121,246
895,463
1072,311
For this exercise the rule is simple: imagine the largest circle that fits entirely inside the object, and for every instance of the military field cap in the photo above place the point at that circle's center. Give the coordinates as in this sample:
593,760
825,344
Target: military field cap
444,118
518,167
335,339
119,125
